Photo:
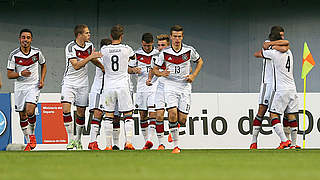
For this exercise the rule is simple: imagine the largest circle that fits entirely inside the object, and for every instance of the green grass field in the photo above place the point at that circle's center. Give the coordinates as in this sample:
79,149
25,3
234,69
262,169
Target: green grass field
189,164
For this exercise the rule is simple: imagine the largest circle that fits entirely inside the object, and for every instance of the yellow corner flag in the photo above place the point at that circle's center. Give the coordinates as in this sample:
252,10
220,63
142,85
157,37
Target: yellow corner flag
307,62
307,65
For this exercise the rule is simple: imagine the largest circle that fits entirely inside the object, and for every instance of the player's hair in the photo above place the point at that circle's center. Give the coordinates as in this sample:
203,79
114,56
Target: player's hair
277,29
274,36
116,32
79,29
105,41
25,30
147,37
162,37
176,28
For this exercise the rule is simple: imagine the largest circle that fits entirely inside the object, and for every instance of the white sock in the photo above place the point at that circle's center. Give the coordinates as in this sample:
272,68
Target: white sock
287,131
175,136
26,132
161,138
69,130
279,131
255,133
145,133
116,136
32,128
128,128
79,130
152,131
94,132
108,128
294,132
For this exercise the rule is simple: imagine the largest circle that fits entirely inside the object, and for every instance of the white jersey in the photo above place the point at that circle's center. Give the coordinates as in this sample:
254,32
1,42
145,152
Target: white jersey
18,61
283,69
72,77
267,71
178,64
144,61
115,61
97,81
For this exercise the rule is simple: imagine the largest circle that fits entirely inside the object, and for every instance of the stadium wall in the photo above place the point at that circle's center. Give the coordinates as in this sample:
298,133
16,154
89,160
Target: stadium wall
226,33
216,121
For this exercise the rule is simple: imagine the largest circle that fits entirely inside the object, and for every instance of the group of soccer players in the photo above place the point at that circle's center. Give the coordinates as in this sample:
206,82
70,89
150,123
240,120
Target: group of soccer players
278,90
163,82
164,77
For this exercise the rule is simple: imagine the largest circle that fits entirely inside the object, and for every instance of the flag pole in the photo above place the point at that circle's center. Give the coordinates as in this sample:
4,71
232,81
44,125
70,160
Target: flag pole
304,111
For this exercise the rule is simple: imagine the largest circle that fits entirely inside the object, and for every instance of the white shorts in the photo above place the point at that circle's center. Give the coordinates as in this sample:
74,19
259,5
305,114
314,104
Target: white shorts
112,98
265,93
145,101
94,99
26,96
78,96
178,99
160,98
284,102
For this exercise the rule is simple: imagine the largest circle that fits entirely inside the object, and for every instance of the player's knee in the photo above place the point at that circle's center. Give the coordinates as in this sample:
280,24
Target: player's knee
275,121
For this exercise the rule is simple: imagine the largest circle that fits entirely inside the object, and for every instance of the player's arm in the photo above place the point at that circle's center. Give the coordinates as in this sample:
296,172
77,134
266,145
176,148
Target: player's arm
79,64
258,54
0,81
190,78
157,72
97,63
282,49
43,75
134,70
14,75
150,76
266,45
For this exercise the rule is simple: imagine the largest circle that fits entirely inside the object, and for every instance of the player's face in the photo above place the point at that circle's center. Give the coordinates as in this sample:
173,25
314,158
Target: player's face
85,36
176,37
282,35
25,39
162,44
147,47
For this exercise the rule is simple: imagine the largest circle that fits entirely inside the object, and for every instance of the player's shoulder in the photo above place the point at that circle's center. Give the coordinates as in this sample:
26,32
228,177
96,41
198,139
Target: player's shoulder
166,49
89,43
139,50
188,46
15,51
35,49
70,45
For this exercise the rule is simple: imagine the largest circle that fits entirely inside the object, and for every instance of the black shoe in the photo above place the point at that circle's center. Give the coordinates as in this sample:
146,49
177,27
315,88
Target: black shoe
115,147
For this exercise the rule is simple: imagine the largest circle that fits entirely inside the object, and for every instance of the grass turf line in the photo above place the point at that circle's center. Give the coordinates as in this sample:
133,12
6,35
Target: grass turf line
189,164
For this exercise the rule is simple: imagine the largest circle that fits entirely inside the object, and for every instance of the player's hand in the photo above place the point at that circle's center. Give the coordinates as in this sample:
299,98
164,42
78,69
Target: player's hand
165,73
95,54
103,71
41,84
148,82
25,73
137,70
266,45
189,78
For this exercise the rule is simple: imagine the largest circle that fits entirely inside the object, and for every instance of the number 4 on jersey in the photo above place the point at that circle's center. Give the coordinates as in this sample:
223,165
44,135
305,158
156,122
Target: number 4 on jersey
288,64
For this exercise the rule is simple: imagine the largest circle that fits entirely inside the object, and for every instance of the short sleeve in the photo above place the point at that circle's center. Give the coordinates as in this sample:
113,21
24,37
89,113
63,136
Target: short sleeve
42,60
154,60
267,54
71,53
194,55
11,63
159,60
131,53
132,62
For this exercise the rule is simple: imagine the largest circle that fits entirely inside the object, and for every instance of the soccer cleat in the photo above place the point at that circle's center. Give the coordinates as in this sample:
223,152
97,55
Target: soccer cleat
27,148
298,147
148,145
128,146
253,146
284,144
33,141
108,148
170,138
71,145
176,150
161,147
115,147
295,147
78,145
93,146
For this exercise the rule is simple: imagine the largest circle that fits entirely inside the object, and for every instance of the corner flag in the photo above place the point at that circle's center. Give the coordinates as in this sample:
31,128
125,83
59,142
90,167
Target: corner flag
307,62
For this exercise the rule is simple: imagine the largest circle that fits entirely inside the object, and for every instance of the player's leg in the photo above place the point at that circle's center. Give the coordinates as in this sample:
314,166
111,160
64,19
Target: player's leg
30,109
116,130
20,107
95,127
160,128
144,124
257,125
292,119
67,97
286,125
172,100
107,125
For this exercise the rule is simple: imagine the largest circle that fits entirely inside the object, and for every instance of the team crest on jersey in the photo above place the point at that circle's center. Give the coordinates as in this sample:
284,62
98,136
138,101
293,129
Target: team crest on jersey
184,57
177,59
26,61
34,58
62,97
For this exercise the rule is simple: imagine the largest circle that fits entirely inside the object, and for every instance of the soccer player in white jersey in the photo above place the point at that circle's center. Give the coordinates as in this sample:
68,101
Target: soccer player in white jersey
94,97
266,82
116,91
145,96
163,41
177,59
284,98
23,67
75,84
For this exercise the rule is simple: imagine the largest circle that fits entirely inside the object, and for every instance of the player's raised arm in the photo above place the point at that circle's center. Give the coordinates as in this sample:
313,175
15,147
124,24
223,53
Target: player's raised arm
258,54
282,49
266,45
